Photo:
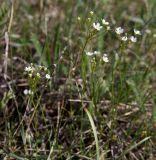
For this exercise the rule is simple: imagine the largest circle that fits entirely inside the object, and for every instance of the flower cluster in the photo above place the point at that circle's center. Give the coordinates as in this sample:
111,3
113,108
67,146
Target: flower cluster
118,30
97,26
104,57
37,71
92,53
28,92
125,38
36,75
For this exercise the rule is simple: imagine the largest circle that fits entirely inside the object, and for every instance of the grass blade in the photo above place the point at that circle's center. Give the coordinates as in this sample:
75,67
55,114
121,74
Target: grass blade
94,132
133,146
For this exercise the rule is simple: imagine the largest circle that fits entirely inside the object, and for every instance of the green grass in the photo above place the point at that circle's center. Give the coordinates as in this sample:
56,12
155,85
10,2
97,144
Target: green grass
89,109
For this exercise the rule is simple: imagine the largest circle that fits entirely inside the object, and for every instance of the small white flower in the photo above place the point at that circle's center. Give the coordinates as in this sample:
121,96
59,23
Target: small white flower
30,92
137,32
108,28
45,68
148,31
30,75
38,75
91,12
96,52
40,67
119,30
124,38
105,58
154,35
97,26
47,76
133,39
105,22
78,18
89,53
25,91
28,69
89,19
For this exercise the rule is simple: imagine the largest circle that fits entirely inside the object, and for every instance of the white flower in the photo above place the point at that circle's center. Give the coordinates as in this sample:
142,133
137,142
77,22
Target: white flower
148,31
38,75
154,35
119,30
47,76
25,91
89,19
30,75
40,67
45,68
137,32
97,26
108,28
91,12
89,53
105,58
96,52
28,69
105,22
133,39
78,18
30,92
124,38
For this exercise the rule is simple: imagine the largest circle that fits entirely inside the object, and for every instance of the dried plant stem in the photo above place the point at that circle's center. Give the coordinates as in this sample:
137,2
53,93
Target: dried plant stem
7,40
57,129
6,55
